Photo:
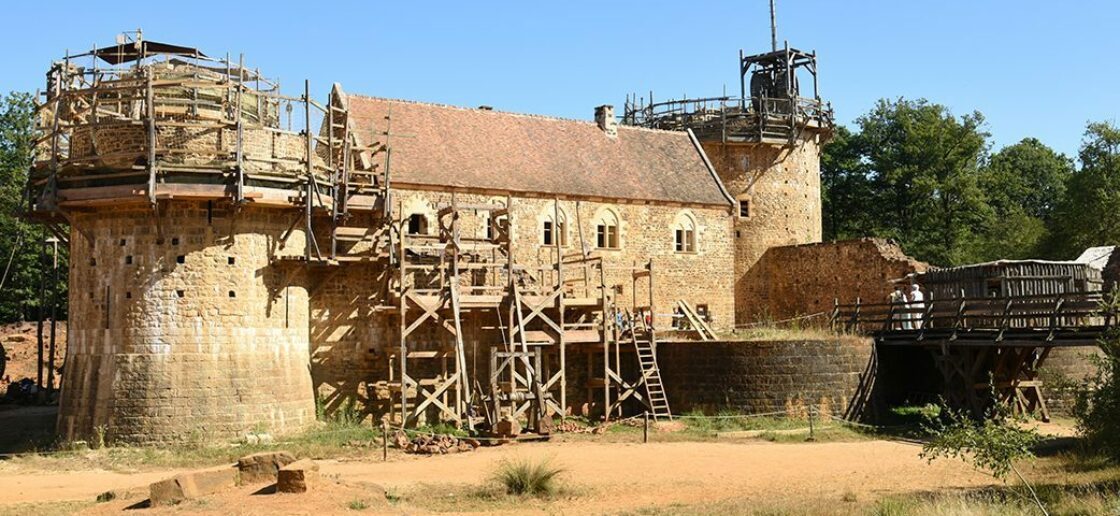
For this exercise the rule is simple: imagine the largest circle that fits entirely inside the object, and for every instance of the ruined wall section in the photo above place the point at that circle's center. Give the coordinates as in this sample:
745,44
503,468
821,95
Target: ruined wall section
195,334
792,281
781,189
351,339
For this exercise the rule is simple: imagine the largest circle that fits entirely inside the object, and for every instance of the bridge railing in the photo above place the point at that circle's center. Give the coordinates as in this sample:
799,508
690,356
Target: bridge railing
1054,312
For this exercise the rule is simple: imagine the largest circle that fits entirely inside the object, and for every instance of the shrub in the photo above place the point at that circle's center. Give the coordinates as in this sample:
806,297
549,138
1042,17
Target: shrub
1097,408
528,477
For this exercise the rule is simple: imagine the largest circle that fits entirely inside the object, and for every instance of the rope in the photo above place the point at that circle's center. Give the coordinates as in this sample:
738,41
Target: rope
791,319
19,240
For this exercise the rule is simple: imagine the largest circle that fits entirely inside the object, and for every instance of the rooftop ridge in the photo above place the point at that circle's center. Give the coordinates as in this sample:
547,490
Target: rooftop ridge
518,114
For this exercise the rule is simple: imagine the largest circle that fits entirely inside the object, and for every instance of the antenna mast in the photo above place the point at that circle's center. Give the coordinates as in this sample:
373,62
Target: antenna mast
773,28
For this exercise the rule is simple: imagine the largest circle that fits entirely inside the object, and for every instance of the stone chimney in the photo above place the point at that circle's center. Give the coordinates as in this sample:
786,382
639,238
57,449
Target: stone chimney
604,116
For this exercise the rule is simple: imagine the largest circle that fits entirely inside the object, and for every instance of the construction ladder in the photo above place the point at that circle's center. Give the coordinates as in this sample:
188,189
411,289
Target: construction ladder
646,349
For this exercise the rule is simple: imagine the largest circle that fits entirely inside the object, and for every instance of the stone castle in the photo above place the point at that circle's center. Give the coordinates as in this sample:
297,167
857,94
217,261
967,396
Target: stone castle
231,265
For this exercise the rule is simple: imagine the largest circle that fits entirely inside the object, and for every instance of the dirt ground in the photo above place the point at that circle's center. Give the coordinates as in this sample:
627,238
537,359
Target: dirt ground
599,477
20,341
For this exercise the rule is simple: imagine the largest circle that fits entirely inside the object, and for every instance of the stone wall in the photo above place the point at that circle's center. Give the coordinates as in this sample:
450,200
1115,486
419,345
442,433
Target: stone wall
781,187
198,334
351,339
790,281
763,376
1065,370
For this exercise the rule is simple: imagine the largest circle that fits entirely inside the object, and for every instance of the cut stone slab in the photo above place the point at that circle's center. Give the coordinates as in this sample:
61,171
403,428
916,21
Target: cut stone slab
262,467
298,476
189,486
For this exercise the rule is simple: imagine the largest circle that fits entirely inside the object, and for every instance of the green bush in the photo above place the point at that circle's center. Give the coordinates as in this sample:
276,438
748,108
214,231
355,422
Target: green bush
1097,408
528,477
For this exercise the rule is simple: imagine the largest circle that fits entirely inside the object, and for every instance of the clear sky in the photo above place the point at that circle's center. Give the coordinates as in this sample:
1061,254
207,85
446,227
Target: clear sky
1033,68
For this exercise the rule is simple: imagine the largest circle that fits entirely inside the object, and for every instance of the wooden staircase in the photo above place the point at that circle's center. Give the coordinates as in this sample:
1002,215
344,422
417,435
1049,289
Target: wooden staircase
645,345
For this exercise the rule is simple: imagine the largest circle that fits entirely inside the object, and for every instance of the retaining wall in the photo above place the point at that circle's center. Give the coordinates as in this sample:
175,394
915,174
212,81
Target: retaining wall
764,376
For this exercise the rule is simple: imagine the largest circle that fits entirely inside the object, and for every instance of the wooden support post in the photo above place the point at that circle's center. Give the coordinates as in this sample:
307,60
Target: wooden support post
149,99
384,441
239,192
645,427
308,169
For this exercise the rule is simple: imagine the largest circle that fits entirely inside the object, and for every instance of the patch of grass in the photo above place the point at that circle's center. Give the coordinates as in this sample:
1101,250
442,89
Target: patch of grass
528,476
45,508
357,505
331,440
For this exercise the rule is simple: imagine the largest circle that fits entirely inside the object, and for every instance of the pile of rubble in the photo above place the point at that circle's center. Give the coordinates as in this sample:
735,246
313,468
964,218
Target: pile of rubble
435,444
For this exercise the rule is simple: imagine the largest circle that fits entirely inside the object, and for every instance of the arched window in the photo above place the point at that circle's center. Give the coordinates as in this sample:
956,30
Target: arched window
606,230
684,233
553,231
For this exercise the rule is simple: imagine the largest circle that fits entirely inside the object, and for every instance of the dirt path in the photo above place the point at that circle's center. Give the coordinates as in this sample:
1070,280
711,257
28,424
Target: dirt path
614,475
660,473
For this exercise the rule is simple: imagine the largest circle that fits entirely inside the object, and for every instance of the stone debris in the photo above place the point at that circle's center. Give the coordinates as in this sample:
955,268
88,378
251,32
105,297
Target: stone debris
298,477
257,438
435,444
262,467
189,486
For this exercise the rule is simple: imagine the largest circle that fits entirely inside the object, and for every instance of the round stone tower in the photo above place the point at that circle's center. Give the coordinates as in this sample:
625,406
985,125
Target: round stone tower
181,190
765,145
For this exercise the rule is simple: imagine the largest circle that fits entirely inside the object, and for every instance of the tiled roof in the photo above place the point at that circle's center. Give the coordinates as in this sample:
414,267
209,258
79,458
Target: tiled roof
438,145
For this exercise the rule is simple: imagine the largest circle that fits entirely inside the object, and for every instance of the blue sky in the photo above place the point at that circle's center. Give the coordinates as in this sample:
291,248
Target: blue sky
1033,68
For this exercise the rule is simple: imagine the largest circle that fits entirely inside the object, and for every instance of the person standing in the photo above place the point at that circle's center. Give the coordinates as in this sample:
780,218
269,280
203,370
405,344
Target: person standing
917,306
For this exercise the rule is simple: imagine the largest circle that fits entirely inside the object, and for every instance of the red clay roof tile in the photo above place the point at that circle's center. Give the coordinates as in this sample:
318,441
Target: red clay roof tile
437,145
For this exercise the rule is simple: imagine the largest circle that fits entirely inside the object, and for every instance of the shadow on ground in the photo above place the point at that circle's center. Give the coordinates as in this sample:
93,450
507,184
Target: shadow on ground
25,428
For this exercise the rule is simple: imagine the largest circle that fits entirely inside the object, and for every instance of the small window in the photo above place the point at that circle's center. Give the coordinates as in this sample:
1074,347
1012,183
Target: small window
685,241
181,259
684,234
232,294
606,236
704,313
128,260
174,240
744,208
180,293
231,260
554,233
128,295
606,230
123,242
417,224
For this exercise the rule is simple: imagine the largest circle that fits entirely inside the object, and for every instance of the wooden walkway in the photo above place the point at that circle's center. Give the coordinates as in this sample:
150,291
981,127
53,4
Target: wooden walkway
986,349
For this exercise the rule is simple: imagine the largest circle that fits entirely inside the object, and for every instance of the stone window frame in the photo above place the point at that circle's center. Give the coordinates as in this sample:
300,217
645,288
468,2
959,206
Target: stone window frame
605,239
546,226
686,233
741,202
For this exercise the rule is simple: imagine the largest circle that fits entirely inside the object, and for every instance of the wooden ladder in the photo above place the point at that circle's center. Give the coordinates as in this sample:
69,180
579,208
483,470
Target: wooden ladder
646,348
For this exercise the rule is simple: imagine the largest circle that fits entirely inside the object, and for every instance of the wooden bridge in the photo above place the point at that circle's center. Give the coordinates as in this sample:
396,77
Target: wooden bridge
986,349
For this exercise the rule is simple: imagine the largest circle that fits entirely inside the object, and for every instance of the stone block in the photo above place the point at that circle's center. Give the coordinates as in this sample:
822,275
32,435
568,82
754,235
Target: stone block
189,486
262,467
298,476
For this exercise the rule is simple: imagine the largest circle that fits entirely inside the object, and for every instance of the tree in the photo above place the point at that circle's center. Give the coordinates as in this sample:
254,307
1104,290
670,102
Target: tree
1087,214
923,166
20,241
846,192
1024,183
1097,408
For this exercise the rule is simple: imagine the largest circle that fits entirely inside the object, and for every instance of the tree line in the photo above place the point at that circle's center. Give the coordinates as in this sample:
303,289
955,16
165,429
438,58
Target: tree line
25,260
912,171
